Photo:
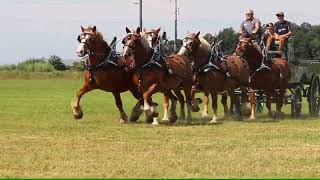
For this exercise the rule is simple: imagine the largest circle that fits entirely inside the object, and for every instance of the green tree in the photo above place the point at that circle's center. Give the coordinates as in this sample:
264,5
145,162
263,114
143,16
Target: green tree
209,37
57,63
229,40
78,66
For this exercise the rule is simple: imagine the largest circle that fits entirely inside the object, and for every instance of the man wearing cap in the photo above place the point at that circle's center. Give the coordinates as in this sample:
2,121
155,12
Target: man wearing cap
282,30
250,27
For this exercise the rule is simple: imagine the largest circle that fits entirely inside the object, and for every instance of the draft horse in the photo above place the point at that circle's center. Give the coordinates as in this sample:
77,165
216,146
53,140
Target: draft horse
273,80
103,72
156,41
212,76
152,78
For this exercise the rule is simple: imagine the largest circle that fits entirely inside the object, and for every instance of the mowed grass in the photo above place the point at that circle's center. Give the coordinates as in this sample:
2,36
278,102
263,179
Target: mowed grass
40,138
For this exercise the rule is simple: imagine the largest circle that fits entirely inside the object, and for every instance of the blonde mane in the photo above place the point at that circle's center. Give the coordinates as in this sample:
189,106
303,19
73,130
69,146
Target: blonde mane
144,41
97,34
204,45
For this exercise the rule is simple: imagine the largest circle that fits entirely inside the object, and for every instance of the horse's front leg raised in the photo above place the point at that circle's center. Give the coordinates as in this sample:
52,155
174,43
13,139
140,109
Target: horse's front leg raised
123,115
76,108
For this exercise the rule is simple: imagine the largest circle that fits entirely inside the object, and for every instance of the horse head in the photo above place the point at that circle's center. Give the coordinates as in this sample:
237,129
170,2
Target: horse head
250,51
152,36
190,44
135,49
87,40
243,46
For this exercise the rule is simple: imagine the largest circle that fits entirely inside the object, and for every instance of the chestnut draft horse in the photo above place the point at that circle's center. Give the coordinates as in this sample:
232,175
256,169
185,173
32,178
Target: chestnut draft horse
102,72
212,75
153,78
269,80
156,42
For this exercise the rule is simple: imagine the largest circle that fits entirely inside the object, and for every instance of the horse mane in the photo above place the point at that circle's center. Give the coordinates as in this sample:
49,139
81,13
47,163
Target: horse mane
204,45
97,34
144,41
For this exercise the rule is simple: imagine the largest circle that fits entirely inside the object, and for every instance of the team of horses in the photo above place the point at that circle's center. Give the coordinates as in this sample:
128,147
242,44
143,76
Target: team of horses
197,67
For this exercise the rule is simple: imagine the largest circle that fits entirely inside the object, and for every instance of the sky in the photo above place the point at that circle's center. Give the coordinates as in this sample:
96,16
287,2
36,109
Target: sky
40,28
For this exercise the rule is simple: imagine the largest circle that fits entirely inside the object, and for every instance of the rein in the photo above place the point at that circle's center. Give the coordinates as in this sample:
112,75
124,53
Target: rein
108,60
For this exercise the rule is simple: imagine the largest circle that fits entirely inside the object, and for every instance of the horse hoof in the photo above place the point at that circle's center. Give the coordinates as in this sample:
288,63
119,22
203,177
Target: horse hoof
149,119
122,121
155,121
165,119
134,117
278,115
77,112
195,108
204,114
182,117
135,114
213,121
78,116
173,118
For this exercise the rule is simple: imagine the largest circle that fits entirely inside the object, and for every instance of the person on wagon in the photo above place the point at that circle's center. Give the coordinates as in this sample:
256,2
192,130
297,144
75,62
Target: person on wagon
250,27
282,30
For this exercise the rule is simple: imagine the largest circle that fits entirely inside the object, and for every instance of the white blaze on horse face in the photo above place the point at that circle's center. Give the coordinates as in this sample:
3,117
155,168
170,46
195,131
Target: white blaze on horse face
81,49
183,49
150,39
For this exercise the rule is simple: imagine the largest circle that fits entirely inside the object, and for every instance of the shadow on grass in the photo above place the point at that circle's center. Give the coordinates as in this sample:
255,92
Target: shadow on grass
199,121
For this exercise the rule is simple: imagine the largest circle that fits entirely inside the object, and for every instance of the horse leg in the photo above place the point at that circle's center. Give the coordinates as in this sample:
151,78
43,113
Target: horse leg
76,108
189,93
180,97
173,114
224,102
165,108
268,103
136,110
253,103
123,115
214,98
205,112
279,104
232,100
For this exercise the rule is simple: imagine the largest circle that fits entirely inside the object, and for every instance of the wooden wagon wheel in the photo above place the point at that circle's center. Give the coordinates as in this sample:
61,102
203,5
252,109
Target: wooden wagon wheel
296,102
314,99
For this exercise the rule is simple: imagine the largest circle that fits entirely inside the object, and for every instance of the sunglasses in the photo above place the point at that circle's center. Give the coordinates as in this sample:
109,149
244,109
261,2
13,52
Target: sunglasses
279,16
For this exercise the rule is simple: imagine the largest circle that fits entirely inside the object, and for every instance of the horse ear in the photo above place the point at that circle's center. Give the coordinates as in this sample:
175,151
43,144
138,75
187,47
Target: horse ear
128,30
158,30
197,35
138,30
94,28
82,29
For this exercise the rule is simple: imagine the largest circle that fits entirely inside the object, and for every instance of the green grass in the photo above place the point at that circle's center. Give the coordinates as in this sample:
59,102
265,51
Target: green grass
40,138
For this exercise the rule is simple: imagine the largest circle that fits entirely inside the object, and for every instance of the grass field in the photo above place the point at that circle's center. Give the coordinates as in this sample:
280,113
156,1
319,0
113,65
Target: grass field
40,138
